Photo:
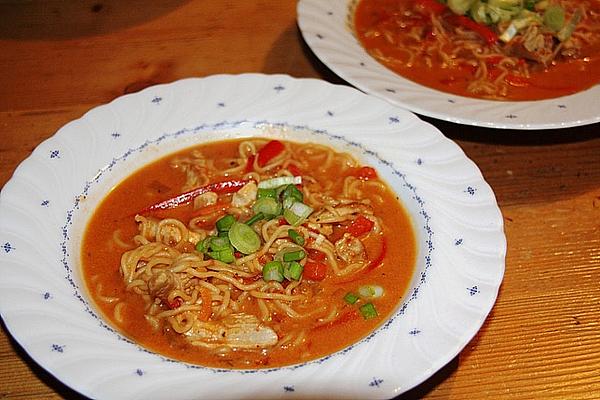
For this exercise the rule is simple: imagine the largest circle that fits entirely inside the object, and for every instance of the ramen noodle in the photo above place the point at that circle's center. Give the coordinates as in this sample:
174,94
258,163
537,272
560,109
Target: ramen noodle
249,253
490,49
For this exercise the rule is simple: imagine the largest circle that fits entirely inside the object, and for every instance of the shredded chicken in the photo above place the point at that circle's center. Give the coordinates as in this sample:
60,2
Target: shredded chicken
160,284
205,199
243,331
245,196
350,249
534,44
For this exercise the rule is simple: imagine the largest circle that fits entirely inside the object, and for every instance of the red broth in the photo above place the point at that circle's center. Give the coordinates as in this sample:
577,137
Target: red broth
113,222
386,29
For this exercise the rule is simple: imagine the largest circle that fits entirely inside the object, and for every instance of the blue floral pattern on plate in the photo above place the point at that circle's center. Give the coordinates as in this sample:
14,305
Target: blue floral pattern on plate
102,147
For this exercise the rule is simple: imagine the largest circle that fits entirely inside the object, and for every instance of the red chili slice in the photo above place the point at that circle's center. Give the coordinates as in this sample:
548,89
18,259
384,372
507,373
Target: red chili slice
271,150
314,270
486,33
360,226
185,198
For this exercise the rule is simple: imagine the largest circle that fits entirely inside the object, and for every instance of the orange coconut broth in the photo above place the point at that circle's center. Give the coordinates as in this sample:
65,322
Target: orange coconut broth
562,77
153,183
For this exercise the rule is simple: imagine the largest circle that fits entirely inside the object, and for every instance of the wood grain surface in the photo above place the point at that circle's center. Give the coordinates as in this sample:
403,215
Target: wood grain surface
542,339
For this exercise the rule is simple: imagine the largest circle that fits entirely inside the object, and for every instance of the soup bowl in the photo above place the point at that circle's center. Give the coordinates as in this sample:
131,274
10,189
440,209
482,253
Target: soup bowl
328,28
45,208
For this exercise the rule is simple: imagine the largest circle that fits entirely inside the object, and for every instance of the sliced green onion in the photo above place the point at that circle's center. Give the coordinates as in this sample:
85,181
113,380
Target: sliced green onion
296,237
225,255
567,30
509,33
273,271
292,247
288,202
267,206
223,224
279,181
255,218
297,213
529,4
261,193
368,311
541,5
554,17
293,270
204,245
291,191
350,298
244,238
294,255
219,243
370,291
460,7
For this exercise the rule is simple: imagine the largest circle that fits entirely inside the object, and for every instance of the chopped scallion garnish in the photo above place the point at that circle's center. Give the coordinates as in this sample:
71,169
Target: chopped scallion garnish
293,270
294,255
219,243
225,255
296,237
350,298
223,224
370,291
273,271
267,206
255,218
297,213
368,311
279,181
554,17
261,193
204,245
293,192
244,238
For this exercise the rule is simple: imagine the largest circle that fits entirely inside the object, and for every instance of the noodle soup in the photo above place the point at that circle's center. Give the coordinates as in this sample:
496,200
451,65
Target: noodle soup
249,253
495,49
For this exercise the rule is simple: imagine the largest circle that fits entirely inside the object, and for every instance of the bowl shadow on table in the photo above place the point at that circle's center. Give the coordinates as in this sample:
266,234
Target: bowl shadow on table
61,20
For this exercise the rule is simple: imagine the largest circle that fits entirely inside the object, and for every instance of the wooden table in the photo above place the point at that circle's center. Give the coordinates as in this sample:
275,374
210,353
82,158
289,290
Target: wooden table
542,339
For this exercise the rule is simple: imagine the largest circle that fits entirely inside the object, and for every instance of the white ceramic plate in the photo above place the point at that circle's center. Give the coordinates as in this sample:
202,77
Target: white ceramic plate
327,28
45,207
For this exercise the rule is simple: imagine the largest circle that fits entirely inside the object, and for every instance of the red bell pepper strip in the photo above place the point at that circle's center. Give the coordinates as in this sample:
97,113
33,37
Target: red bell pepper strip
316,255
294,170
176,303
206,309
360,226
250,164
314,270
373,264
185,198
376,262
430,6
270,150
486,33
